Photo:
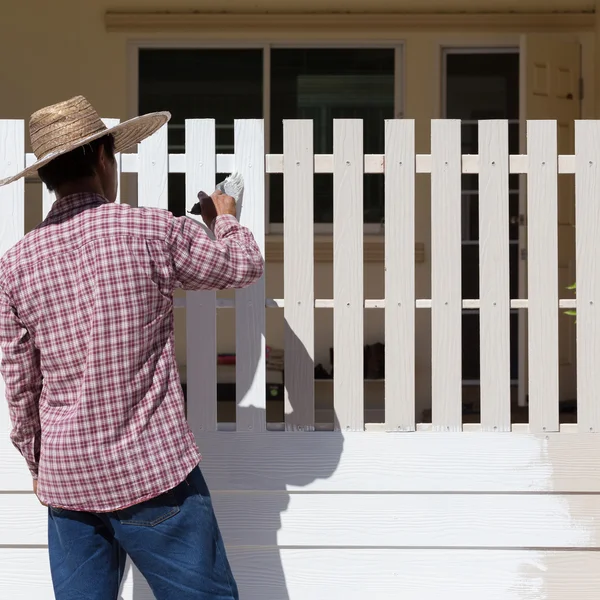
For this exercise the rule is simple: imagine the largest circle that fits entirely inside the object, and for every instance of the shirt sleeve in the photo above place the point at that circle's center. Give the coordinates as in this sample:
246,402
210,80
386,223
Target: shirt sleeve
232,260
20,368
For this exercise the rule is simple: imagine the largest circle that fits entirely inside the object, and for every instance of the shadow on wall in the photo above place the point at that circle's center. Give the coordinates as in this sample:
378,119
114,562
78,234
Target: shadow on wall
236,466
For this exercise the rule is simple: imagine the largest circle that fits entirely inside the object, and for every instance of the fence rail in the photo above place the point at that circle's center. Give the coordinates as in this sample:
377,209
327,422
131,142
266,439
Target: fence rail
399,165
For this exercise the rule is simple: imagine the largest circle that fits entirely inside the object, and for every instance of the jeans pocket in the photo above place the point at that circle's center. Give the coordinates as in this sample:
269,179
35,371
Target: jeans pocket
151,512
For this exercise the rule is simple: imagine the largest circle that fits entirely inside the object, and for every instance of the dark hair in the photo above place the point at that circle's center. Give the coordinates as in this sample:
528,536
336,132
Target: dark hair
77,164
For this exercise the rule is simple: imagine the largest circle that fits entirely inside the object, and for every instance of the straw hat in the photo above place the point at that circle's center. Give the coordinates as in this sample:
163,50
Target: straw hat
60,128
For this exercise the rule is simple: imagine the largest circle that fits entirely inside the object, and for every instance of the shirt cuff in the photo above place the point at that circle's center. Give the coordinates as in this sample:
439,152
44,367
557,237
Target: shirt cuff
223,225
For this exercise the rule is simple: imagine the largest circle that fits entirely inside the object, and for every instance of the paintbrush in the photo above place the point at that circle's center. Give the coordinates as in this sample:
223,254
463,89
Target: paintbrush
232,186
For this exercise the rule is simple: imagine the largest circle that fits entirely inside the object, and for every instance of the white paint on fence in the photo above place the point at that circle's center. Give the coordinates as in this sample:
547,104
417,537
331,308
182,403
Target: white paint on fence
201,314
400,275
494,280
12,212
587,149
250,302
299,276
348,292
542,242
446,249
421,303
153,171
374,163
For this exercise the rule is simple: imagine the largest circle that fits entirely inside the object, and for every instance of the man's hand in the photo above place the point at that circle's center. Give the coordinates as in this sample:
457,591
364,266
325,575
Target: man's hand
215,205
35,491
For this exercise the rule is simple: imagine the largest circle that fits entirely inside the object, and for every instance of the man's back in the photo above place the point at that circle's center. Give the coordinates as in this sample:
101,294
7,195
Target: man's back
91,288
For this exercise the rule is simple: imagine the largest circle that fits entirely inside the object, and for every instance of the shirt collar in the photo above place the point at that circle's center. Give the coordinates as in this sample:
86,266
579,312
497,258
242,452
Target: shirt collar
75,203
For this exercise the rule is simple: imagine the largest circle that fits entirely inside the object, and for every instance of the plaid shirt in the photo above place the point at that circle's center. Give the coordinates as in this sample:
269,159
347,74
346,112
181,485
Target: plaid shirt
86,333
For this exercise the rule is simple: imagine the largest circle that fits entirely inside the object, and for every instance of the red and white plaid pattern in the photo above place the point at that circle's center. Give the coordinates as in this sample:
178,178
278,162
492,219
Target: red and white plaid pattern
86,333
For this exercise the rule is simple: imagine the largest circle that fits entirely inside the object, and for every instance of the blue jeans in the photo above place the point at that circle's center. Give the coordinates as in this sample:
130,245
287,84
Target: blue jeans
173,539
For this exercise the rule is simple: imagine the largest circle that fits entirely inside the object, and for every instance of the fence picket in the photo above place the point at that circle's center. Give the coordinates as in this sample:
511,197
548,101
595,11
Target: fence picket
153,171
446,252
400,275
250,302
201,306
113,123
587,177
298,273
494,290
542,242
348,292
12,212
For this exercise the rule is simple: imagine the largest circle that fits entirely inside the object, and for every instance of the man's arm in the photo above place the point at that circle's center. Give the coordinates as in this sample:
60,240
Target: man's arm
233,260
20,368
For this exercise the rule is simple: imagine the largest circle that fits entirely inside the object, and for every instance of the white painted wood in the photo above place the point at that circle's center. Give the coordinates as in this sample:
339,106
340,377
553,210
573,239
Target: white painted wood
587,148
201,313
24,520
520,428
298,275
250,302
425,575
446,310
400,275
321,574
467,303
374,163
542,256
12,213
348,292
113,123
370,520
12,197
567,164
332,461
518,163
177,163
408,520
376,462
494,282
130,163
153,171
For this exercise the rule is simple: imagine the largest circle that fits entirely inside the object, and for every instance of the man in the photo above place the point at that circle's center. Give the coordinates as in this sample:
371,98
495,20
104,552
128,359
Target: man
86,333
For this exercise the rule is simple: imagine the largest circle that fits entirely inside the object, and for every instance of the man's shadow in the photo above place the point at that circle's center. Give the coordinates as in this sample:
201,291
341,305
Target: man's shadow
259,464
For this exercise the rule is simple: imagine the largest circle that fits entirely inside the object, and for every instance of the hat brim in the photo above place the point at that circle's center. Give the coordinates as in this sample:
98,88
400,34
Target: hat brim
126,136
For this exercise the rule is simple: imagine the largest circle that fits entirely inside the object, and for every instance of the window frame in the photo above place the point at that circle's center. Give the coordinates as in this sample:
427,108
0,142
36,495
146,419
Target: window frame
267,46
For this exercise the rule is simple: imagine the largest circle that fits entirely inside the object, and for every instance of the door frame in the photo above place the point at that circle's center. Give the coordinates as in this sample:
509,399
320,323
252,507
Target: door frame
514,46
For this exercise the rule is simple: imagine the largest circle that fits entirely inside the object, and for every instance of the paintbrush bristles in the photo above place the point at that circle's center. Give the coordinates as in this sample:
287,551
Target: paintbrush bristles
232,186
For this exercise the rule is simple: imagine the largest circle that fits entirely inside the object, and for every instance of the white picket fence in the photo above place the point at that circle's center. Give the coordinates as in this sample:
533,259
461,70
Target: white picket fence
399,165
